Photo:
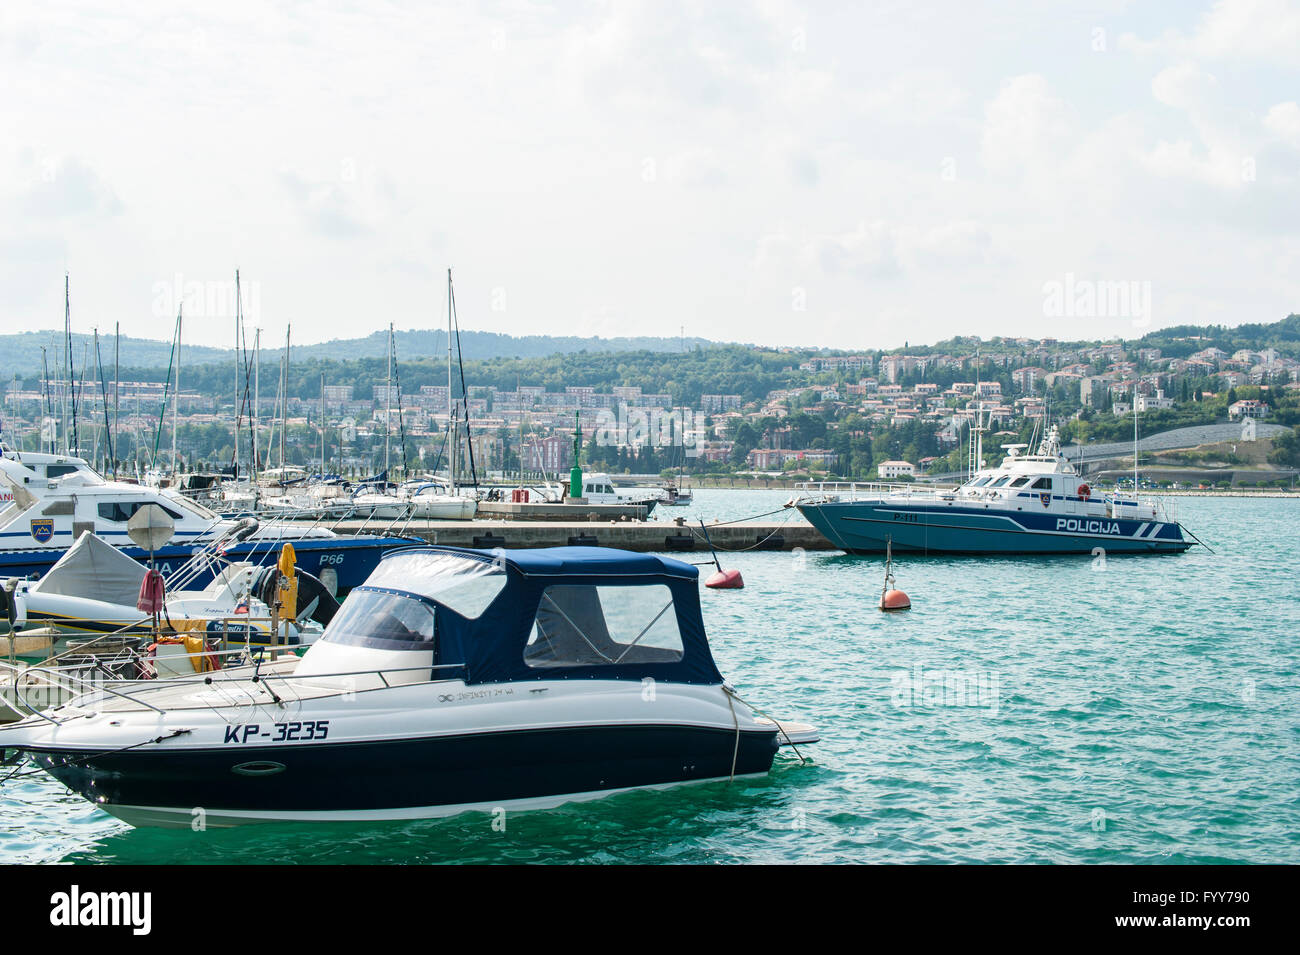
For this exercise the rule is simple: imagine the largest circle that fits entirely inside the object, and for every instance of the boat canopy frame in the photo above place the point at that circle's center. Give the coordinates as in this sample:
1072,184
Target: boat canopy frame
491,642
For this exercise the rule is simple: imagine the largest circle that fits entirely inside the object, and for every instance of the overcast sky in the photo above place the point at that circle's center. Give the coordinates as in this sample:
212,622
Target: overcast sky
834,174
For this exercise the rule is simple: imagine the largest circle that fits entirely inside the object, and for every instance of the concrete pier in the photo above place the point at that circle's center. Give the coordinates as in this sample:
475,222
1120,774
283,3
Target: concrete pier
658,536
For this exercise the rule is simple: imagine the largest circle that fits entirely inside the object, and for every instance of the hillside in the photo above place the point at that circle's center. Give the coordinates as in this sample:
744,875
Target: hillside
22,350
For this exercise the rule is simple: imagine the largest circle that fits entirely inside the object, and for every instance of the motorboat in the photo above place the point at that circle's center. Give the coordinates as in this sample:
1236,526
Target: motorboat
452,680
94,588
675,495
599,488
1031,504
48,500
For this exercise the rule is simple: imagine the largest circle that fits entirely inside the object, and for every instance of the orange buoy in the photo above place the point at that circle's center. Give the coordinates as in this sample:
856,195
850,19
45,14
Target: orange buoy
722,579
895,600
891,598
725,580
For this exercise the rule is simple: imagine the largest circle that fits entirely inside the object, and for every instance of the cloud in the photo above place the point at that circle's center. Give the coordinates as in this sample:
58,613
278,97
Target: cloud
327,208
869,251
951,245
1283,121
1026,127
1261,31
69,188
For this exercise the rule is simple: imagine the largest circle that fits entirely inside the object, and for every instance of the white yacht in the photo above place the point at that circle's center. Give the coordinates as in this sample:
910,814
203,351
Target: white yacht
48,500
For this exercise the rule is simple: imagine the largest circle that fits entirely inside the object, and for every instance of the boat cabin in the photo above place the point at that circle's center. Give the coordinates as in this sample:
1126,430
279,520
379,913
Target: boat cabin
497,617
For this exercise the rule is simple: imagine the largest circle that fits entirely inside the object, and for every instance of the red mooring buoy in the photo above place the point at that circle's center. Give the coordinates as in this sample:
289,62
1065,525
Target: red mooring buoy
891,598
725,580
895,600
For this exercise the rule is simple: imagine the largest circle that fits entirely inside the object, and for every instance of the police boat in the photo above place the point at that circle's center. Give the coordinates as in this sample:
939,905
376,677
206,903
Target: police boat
1031,504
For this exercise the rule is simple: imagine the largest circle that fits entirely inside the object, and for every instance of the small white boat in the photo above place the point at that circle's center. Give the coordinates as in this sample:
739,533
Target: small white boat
93,589
453,680
378,504
432,501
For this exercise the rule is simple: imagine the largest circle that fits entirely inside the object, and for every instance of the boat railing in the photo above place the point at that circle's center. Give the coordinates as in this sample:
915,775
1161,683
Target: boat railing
855,490
1163,507
76,677
132,691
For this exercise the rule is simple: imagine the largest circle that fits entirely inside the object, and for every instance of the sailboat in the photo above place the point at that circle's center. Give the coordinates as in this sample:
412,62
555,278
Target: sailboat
372,498
431,499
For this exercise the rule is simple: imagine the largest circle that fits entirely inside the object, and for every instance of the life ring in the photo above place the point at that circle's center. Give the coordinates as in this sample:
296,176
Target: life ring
1084,492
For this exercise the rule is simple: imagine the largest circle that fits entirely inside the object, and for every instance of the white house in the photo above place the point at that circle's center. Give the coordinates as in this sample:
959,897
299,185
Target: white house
889,470
1149,402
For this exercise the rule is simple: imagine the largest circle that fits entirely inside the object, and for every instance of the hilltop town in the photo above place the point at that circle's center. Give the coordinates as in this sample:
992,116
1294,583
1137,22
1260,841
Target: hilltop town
723,409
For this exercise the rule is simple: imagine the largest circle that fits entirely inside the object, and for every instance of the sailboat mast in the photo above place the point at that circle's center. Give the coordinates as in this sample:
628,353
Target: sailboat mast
176,395
452,431
1135,440
284,406
45,393
117,389
69,437
388,399
257,392
103,397
234,414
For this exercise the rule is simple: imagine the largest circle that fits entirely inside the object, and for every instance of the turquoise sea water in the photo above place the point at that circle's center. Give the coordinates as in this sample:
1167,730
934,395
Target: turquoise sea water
1140,709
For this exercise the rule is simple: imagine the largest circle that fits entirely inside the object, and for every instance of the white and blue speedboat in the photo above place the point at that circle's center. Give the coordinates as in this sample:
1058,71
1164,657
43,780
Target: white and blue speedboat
1031,504
452,680
48,500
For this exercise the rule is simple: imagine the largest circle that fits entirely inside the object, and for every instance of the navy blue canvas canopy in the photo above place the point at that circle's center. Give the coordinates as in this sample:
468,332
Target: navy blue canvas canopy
490,636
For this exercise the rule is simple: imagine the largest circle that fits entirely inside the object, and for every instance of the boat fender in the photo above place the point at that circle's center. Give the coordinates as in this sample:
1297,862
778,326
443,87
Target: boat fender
7,601
315,602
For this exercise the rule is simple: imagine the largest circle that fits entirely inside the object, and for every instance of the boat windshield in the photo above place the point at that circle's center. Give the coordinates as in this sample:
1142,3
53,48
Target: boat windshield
999,482
194,507
382,621
467,585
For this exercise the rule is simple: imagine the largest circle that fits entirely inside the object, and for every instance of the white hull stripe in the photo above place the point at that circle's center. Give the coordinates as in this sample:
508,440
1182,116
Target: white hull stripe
220,818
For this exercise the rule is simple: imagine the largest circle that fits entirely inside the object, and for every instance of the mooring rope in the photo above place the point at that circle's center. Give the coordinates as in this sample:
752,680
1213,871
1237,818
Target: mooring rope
803,760
736,550
735,721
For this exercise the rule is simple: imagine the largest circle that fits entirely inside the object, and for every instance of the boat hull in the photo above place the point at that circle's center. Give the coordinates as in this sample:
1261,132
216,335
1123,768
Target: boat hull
406,778
861,527
443,509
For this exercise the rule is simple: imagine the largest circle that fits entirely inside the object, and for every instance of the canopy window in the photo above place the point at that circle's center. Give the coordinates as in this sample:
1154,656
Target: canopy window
595,625
466,584
383,621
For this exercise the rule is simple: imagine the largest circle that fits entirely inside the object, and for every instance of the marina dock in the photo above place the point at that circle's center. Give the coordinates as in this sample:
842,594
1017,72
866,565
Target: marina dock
644,536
